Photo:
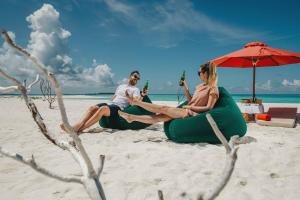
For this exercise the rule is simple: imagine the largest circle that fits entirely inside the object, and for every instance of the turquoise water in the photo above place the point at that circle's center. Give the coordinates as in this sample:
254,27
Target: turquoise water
267,98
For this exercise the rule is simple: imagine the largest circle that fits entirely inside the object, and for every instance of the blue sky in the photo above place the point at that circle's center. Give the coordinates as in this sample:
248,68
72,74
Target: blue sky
96,43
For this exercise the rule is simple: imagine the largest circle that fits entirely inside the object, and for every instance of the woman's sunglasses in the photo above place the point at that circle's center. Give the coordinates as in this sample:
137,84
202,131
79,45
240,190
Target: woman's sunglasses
199,72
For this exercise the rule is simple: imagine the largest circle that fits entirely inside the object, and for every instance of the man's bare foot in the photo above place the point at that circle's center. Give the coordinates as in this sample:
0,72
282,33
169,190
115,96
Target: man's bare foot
77,127
62,126
126,116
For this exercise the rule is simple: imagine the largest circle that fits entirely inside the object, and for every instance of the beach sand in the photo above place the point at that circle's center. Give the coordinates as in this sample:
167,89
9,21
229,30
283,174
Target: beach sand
138,163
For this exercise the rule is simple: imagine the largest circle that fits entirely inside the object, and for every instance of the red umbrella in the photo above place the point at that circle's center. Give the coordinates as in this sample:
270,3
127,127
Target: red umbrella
257,54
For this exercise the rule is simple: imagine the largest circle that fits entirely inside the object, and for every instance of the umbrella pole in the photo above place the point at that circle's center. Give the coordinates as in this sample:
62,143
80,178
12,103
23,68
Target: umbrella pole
253,84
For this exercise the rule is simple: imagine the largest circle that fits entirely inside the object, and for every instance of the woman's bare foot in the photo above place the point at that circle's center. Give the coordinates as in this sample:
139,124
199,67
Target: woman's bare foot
132,100
126,116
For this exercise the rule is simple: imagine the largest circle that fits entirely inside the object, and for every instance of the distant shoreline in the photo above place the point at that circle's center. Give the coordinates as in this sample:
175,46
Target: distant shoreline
267,98
233,94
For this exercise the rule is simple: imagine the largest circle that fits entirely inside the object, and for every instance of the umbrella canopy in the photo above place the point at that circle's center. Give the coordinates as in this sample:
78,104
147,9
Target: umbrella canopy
257,54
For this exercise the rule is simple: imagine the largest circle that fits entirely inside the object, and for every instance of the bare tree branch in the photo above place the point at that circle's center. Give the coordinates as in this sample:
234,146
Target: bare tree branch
90,179
34,111
31,162
37,79
160,195
15,88
218,132
101,165
9,89
45,87
231,156
58,91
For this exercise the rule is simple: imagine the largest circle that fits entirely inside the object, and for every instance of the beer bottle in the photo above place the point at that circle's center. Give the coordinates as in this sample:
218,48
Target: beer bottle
146,86
182,78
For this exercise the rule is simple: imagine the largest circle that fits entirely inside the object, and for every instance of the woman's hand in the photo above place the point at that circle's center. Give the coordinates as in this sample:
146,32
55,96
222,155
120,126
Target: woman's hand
183,83
187,107
186,91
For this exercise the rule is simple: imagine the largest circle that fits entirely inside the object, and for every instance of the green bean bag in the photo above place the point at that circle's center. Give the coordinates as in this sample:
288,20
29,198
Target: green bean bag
121,124
226,114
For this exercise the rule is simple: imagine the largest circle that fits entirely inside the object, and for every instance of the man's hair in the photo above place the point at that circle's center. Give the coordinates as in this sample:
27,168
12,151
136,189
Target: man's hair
135,72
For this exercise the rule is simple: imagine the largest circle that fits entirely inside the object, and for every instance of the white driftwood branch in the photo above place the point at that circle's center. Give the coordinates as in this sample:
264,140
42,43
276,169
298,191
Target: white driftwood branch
101,165
34,111
8,89
33,83
218,132
231,156
58,91
160,195
90,179
31,162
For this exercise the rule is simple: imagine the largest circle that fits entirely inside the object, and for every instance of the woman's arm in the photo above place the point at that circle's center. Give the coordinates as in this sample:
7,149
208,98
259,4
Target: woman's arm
210,105
186,91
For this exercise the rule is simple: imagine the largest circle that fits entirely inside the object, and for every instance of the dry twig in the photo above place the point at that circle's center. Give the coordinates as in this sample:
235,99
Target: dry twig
45,87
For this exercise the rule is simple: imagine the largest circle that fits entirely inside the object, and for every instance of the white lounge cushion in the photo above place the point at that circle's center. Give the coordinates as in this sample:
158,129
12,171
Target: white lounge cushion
278,122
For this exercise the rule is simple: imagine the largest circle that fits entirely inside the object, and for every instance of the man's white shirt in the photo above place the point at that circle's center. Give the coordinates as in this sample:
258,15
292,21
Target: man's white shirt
120,95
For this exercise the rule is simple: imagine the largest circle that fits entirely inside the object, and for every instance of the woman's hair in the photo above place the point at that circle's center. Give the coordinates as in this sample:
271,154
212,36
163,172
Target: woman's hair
212,75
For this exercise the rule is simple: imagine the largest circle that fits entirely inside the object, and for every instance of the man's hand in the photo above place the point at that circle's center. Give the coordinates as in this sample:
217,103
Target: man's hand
144,93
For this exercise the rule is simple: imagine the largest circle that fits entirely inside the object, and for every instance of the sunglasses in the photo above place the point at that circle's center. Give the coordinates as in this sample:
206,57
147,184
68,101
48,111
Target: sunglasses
199,72
136,77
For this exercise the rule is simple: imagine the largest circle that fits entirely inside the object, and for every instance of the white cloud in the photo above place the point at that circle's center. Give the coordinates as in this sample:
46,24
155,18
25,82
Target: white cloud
169,83
123,81
49,43
100,74
265,86
13,63
117,6
279,86
293,83
48,40
171,21
92,79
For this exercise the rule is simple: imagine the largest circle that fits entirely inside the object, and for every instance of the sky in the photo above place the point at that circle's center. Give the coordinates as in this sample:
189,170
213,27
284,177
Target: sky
93,45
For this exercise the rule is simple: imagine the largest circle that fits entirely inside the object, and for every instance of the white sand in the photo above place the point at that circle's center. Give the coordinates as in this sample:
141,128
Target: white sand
138,163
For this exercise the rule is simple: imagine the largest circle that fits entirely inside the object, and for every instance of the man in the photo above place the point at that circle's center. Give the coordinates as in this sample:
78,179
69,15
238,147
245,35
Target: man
119,102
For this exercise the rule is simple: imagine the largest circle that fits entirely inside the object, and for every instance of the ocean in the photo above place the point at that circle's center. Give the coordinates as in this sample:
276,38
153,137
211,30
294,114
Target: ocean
267,98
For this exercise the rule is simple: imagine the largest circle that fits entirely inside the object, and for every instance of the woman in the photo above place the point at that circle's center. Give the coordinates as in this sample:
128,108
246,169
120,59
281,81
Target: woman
204,99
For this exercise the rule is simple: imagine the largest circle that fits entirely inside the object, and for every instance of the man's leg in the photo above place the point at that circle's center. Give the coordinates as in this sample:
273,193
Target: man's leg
102,111
91,111
148,119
